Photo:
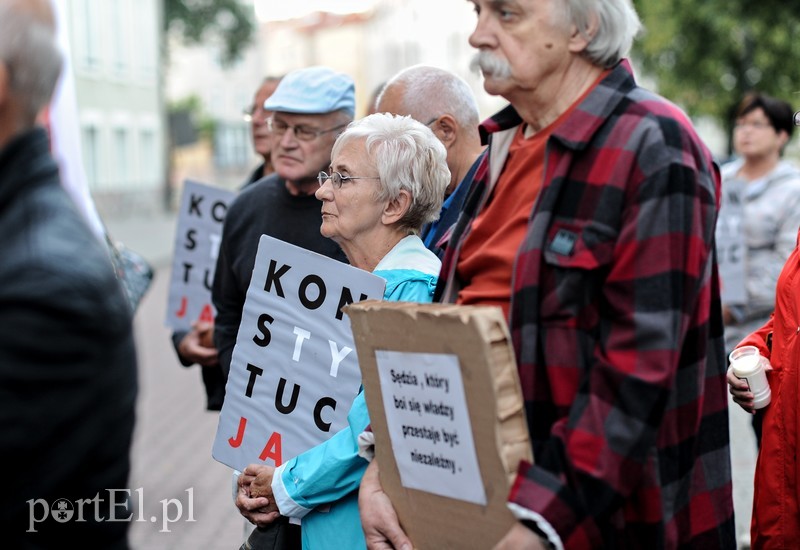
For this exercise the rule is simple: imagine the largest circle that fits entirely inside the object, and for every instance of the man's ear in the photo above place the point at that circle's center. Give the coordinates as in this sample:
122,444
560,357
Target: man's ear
784,137
5,83
395,209
446,129
579,41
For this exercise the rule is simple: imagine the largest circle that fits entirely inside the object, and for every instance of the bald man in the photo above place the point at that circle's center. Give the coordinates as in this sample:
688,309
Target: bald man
67,360
445,103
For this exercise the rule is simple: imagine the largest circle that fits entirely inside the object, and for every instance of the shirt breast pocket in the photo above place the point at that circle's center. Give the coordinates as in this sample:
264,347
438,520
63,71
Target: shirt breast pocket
577,259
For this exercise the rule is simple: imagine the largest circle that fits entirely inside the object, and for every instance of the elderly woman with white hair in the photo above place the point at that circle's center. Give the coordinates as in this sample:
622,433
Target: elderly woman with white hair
386,180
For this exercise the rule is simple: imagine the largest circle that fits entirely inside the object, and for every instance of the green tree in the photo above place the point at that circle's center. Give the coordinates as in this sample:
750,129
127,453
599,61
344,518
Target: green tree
707,54
232,22
193,107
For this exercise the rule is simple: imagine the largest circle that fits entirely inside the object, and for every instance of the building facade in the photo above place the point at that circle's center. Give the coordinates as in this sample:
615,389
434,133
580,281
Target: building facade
116,60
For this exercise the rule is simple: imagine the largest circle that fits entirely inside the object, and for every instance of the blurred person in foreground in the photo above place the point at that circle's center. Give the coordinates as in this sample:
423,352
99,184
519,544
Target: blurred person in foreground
310,107
67,358
196,346
386,179
445,103
591,223
776,499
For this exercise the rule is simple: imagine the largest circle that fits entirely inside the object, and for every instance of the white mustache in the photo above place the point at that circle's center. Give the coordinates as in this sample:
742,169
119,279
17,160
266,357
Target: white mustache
490,65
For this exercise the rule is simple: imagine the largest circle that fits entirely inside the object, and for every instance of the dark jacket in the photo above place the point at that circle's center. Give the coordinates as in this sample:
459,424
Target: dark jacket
263,208
67,363
214,378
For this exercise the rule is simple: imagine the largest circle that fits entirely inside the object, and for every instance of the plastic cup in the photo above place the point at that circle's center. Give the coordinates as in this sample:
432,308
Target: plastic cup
747,364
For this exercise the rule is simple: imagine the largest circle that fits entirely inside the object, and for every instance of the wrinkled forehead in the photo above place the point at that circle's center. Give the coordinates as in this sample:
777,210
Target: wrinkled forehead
350,150
498,4
266,90
39,10
311,120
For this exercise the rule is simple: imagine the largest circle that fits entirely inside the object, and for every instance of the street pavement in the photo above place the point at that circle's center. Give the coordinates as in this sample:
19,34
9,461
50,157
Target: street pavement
171,455
173,476
744,451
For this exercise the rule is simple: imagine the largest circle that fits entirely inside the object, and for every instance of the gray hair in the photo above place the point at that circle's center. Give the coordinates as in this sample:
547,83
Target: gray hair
435,92
408,157
32,58
618,25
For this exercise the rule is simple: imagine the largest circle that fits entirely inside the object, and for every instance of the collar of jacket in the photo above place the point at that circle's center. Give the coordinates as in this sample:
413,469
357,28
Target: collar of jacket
576,131
25,161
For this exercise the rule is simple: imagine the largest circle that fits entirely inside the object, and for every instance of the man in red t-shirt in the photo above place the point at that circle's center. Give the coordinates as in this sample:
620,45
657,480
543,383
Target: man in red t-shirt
591,222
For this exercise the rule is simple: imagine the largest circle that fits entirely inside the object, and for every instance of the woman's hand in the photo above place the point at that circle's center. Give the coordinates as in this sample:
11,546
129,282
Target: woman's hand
254,498
741,393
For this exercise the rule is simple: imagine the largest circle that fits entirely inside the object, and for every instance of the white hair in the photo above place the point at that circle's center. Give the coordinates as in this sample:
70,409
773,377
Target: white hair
29,51
617,26
407,157
435,92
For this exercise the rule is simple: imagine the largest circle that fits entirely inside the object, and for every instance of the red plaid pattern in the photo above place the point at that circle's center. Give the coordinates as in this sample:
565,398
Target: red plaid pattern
616,324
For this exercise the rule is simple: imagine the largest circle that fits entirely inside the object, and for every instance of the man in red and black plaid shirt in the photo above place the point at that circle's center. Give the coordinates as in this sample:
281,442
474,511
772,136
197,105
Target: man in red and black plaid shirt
591,222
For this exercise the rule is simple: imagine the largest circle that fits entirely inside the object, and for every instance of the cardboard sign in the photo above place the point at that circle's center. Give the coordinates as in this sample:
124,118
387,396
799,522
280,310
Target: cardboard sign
294,371
197,238
443,395
732,244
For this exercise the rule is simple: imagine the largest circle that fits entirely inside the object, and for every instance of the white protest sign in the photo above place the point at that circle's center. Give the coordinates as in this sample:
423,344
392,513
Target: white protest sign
732,244
294,372
428,422
197,238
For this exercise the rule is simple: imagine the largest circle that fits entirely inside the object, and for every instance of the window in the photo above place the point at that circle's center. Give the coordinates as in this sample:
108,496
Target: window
122,152
120,36
91,33
91,156
148,160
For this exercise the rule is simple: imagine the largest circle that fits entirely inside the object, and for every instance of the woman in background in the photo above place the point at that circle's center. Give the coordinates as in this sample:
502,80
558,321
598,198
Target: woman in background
761,197
387,178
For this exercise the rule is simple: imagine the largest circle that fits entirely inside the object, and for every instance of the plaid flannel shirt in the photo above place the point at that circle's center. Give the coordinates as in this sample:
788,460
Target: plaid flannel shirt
616,324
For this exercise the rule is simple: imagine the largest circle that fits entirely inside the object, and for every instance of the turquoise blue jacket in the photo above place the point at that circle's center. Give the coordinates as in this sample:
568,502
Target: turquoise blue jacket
321,484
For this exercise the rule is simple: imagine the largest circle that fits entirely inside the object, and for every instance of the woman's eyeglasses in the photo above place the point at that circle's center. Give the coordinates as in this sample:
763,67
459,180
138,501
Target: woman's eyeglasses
279,127
337,180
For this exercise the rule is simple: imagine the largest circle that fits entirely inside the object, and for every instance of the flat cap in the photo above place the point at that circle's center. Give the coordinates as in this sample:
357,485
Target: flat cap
314,90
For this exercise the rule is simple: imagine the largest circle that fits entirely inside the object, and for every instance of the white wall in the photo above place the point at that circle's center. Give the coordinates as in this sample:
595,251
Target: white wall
116,60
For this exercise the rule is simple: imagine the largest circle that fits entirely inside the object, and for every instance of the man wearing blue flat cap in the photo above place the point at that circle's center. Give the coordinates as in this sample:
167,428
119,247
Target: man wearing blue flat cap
309,108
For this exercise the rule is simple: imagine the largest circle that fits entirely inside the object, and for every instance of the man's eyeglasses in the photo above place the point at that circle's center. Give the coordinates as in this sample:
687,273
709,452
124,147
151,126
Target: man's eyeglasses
278,127
337,180
252,112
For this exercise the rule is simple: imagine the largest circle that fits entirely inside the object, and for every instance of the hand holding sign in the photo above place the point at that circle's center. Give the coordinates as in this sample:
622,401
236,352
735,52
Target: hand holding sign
254,497
198,344
259,479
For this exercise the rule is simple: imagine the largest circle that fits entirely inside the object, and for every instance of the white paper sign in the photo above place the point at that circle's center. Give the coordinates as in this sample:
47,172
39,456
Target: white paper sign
732,244
428,422
197,238
294,371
